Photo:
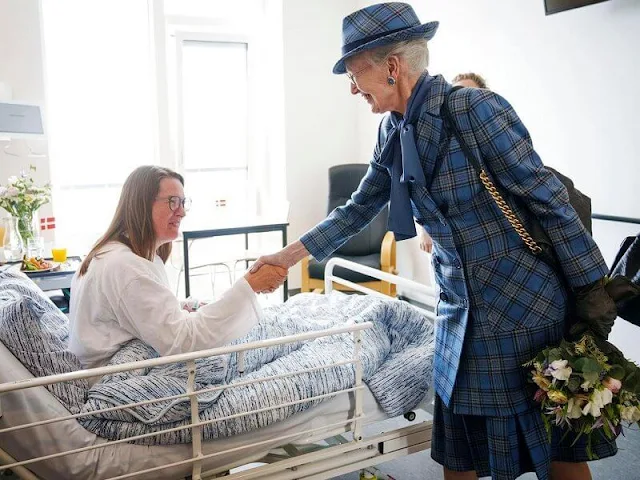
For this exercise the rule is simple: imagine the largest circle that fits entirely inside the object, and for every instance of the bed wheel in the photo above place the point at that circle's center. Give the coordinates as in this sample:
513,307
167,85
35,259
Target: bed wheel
411,416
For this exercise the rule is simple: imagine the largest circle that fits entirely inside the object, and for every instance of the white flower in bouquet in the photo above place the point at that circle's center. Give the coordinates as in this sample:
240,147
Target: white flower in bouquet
603,397
630,414
559,370
598,400
586,385
591,409
574,408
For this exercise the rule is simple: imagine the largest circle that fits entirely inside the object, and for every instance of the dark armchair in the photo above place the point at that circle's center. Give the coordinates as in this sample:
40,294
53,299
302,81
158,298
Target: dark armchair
373,246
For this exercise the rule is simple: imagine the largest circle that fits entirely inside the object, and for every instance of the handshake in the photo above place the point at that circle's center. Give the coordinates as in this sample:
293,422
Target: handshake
267,274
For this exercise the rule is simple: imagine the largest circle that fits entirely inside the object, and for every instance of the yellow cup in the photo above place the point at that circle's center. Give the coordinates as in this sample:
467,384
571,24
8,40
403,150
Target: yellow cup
59,254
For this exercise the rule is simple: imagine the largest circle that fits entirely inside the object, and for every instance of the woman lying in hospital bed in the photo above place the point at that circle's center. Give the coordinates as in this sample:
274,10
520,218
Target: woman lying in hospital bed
129,314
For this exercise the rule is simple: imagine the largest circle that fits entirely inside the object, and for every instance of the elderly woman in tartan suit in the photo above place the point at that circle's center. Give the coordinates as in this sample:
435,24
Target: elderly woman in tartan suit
499,305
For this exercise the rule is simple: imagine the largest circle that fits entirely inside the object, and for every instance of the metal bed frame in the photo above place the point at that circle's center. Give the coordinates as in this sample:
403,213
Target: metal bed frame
339,454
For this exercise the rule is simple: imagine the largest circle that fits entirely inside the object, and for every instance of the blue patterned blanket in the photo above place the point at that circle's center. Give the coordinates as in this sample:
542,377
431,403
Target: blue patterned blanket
396,354
397,357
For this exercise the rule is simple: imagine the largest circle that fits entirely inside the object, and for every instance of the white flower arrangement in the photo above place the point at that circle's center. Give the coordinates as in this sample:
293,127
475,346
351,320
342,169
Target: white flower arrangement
581,389
21,197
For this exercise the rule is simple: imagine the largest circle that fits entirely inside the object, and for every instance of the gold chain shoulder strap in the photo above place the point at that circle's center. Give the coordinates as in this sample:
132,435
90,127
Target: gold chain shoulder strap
511,216
486,181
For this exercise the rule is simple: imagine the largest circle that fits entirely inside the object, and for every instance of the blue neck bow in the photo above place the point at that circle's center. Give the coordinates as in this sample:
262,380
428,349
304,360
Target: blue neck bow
400,157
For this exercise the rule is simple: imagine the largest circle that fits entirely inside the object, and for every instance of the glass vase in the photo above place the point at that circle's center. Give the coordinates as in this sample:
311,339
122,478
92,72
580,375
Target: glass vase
27,227
13,245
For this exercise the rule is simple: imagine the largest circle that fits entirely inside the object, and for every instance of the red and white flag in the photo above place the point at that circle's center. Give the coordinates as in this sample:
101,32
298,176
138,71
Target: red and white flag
48,223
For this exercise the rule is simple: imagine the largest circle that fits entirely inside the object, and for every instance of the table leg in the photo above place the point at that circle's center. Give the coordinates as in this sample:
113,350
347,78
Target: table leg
185,247
285,293
246,250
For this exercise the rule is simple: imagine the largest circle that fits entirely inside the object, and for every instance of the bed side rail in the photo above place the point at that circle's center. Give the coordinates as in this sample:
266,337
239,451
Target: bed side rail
21,467
426,293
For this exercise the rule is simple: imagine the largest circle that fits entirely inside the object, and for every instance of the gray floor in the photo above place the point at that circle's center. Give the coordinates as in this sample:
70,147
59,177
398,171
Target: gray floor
624,466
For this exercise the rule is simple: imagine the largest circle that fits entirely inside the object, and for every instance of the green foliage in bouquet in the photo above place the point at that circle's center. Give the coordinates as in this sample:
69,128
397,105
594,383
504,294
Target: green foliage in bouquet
587,387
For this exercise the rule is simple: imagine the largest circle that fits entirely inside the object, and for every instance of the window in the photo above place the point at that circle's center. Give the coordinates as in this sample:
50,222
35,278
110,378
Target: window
99,109
213,90
194,85
225,90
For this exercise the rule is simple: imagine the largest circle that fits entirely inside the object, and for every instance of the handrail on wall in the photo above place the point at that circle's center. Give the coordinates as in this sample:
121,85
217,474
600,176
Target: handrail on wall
612,218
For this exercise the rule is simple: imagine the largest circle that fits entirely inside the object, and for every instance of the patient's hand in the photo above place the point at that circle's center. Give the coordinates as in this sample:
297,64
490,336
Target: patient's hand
267,279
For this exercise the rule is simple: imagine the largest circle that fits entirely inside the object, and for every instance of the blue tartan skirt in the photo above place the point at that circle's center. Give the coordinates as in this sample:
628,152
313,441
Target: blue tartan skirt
505,447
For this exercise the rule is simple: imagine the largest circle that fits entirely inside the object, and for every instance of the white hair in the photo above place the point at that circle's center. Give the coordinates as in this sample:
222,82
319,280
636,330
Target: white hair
414,52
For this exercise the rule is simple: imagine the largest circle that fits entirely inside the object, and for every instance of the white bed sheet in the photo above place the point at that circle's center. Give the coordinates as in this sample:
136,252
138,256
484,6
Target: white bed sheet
37,404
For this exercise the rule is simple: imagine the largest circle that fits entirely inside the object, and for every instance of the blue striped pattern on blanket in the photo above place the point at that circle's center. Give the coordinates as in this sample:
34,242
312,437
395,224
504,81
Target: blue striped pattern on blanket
36,332
397,357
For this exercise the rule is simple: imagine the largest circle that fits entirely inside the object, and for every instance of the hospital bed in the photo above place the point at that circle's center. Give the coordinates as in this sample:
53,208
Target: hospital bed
41,439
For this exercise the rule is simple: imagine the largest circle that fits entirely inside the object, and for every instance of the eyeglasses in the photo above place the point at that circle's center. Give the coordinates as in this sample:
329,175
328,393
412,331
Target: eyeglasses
176,202
352,76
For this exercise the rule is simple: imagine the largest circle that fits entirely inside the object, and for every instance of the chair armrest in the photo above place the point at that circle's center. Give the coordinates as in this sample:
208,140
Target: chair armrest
388,253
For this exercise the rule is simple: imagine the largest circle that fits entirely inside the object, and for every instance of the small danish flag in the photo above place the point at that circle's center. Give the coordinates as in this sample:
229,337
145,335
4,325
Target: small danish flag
48,223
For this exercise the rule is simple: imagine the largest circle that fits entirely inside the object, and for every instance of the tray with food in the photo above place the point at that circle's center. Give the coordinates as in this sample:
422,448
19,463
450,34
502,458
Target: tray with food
38,265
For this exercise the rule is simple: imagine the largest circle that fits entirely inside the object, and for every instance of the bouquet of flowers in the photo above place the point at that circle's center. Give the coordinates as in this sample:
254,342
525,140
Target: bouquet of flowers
21,197
586,387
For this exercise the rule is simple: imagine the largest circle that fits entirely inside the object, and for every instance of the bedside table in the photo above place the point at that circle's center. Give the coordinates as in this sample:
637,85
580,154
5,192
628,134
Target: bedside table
59,279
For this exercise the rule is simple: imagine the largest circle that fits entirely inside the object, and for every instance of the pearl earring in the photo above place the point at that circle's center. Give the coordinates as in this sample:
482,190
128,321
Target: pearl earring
391,81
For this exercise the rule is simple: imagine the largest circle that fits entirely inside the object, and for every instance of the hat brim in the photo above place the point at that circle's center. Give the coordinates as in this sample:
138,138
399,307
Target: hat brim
426,31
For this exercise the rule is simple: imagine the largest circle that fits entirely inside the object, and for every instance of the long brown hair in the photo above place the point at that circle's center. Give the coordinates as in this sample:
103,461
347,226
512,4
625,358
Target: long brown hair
132,224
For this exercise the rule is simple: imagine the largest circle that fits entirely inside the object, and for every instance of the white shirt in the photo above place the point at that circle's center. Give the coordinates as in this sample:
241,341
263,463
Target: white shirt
123,296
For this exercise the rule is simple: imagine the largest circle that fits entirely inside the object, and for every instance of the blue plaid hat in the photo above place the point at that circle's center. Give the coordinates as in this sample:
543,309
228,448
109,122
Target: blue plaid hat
378,25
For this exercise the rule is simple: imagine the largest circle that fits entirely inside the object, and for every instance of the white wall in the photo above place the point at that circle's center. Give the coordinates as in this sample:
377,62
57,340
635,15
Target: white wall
570,77
21,67
320,118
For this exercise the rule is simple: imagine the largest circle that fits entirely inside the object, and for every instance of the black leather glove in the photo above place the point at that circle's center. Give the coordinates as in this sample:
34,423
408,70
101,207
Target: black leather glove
626,293
595,309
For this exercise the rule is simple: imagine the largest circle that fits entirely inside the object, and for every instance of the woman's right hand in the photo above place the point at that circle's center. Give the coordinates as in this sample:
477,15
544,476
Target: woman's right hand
266,279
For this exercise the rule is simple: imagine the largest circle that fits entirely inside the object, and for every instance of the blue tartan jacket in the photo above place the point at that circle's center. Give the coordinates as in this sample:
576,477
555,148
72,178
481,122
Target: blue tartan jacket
498,304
